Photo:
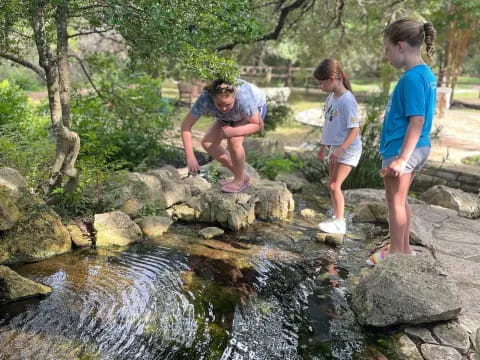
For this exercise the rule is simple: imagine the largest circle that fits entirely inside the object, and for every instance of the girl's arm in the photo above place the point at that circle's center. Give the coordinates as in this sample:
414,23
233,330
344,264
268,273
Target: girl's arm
338,153
254,124
412,135
322,152
186,130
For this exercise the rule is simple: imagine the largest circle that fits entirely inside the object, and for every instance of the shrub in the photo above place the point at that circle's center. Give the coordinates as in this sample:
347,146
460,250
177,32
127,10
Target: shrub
25,143
271,166
367,174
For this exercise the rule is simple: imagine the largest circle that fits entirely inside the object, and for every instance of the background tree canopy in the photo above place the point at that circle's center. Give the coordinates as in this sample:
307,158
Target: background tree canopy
116,53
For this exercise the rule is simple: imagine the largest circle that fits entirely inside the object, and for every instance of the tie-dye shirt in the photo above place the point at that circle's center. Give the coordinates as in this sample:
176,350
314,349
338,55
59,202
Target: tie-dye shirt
249,99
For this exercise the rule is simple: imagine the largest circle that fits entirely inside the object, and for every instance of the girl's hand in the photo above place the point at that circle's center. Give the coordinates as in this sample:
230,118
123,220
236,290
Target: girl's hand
396,168
321,153
336,155
228,132
192,165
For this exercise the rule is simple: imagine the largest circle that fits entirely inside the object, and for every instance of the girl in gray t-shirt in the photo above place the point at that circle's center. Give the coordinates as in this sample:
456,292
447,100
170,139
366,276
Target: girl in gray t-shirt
238,111
341,133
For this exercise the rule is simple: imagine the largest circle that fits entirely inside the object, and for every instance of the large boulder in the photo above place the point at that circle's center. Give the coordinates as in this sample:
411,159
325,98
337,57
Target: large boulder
13,180
9,213
405,289
115,229
14,287
263,200
356,196
39,234
133,192
274,201
231,211
467,204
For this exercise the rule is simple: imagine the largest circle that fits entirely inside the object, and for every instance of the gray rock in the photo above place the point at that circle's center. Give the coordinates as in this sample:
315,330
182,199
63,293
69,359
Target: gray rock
13,180
356,196
467,205
437,352
262,147
183,212
405,289
452,335
295,183
444,231
233,211
78,237
422,334
330,239
132,192
211,232
476,341
154,226
308,213
197,184
39,234
406,347
115,229
375,212
9,213
15,287
273,200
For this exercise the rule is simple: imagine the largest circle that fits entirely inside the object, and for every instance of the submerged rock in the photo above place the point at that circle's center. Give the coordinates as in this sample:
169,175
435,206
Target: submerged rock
405,289
14,287
211,232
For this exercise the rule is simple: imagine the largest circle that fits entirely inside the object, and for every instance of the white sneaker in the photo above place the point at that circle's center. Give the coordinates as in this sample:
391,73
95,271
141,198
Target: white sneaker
333,226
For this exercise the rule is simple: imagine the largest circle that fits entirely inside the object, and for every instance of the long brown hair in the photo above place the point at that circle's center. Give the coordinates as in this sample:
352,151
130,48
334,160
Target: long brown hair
331,67
413,32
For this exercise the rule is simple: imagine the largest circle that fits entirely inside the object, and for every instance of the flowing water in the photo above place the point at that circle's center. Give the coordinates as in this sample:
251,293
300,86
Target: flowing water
263,294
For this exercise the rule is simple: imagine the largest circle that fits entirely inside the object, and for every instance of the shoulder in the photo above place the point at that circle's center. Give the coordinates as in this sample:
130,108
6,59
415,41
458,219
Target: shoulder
349,100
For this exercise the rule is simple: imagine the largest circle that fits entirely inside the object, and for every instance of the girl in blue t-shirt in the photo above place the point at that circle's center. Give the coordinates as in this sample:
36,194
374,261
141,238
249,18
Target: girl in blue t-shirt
341,134
405,138
238,111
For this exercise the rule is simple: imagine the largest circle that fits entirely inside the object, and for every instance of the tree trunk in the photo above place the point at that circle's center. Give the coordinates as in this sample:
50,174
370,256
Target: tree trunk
58,88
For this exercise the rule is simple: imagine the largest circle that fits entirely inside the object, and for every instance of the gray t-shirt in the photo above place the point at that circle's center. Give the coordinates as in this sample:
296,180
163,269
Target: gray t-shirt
341,114
249,99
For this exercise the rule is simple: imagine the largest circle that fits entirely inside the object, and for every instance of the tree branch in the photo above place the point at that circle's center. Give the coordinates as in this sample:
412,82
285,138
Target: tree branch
25,63
282,19
89,32
87,75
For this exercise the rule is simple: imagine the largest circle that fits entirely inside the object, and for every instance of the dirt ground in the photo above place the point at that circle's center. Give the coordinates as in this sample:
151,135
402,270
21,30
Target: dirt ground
459,136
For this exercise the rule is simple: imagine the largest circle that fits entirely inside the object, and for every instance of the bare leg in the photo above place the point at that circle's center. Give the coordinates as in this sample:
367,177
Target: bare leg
211,142
338,174
396,191
407,249
237,153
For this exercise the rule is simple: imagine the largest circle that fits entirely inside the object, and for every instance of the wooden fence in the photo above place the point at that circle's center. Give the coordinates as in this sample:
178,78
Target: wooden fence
287,74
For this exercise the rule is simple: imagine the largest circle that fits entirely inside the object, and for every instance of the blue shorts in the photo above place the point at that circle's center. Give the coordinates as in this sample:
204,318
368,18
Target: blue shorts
415,162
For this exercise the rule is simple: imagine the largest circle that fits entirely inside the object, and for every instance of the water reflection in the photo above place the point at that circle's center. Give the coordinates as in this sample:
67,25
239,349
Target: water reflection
154,302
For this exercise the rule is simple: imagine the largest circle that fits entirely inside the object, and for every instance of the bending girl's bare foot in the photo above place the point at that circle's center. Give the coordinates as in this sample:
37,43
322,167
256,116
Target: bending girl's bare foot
245,178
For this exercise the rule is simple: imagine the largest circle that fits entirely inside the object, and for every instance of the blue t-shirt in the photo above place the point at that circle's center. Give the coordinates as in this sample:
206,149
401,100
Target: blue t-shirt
249,99
414,95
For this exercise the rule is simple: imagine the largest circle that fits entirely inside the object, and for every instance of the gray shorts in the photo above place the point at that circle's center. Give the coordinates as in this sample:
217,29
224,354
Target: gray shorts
350,156
415,162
